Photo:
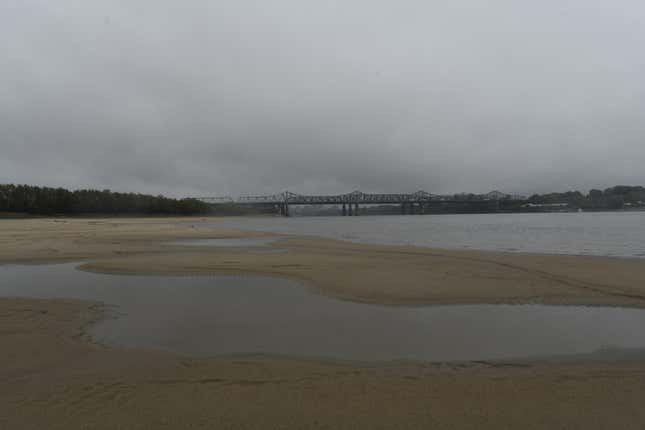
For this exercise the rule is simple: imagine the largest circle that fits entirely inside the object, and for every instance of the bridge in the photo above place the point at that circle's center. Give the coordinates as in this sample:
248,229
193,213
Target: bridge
410,203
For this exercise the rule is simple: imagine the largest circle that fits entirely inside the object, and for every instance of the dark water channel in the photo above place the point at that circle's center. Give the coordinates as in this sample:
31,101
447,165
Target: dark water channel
210,315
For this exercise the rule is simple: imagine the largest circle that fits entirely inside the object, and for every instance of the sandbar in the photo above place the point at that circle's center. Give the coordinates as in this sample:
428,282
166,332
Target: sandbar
53,376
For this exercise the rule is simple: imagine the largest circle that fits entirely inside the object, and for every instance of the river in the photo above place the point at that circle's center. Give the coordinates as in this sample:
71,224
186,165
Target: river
616,234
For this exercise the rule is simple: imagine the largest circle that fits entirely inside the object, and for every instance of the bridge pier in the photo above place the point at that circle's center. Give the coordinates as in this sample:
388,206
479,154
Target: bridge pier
349,210
283,209
344,209
412,208
356,209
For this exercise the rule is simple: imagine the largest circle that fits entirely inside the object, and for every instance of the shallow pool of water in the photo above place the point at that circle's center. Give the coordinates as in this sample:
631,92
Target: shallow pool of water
214,315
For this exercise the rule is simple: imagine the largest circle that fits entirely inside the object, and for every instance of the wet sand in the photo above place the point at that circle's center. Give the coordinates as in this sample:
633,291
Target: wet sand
51,376
369,273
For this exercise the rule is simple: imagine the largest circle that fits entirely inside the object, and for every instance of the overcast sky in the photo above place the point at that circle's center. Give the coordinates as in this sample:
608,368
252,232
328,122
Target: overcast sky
211,97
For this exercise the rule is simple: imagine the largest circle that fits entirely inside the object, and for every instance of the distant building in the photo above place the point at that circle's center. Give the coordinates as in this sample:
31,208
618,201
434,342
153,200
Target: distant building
497,195
546,205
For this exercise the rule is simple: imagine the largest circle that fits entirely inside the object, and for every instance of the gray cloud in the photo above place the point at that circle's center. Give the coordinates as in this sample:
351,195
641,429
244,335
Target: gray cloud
236,97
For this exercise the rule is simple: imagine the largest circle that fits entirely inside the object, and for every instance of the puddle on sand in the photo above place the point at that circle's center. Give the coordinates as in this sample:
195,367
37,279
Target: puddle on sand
214,315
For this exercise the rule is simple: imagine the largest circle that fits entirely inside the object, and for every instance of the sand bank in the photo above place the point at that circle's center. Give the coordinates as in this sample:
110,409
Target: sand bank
52,377
369,273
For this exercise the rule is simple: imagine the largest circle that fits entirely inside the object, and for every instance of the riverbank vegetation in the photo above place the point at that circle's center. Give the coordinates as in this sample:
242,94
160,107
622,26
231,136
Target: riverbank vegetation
618,197
33,200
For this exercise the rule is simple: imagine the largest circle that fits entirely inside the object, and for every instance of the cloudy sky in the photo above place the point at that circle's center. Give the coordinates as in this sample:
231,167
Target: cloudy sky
214,97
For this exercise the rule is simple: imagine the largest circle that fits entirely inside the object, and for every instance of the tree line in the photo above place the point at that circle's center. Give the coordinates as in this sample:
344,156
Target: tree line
618,197
51,201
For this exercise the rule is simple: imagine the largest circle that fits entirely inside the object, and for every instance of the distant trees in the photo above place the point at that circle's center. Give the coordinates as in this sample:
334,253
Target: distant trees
49,201
613,198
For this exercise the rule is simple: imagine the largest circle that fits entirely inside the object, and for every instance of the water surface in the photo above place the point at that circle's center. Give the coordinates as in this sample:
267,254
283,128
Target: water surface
618,234
212,315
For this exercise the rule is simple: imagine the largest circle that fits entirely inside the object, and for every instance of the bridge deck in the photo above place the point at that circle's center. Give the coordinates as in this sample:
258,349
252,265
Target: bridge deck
353,198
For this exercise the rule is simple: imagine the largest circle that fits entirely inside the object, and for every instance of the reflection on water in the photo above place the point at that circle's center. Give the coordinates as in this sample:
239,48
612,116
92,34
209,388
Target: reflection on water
611,233
226,314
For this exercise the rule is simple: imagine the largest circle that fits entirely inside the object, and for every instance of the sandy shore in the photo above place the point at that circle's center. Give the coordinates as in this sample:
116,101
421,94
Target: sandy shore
52,377
378,274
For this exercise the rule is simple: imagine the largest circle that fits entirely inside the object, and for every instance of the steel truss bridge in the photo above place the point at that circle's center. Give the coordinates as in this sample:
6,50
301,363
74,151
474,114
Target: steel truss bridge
410,203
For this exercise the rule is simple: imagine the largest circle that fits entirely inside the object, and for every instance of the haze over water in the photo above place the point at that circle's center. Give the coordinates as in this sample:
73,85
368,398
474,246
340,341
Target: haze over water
617,234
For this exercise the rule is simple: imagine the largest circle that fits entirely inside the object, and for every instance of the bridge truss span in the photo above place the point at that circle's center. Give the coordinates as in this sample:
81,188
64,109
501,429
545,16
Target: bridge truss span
350,202
302,199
